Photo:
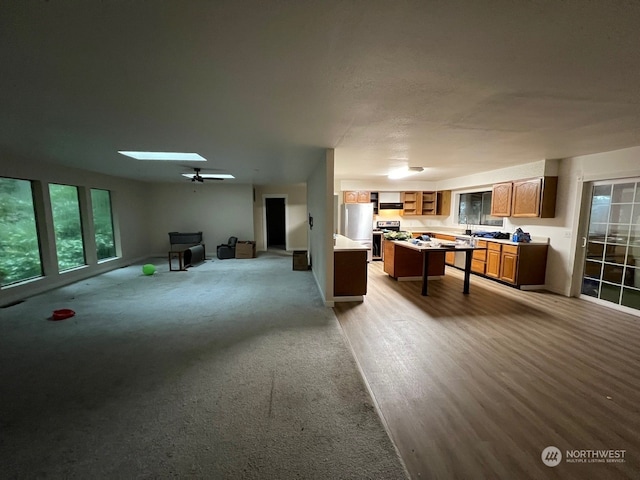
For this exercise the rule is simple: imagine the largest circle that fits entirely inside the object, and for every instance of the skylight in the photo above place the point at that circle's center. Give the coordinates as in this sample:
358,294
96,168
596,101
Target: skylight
166,156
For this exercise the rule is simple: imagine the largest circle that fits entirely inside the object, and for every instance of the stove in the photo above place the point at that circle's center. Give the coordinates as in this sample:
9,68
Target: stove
391,225
383,225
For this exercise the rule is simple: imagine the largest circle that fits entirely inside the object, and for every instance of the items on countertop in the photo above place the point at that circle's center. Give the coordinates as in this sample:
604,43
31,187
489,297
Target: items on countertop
397,235
520,236
496,235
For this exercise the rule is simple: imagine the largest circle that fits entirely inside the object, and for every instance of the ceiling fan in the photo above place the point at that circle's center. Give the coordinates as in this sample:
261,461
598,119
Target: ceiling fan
196,176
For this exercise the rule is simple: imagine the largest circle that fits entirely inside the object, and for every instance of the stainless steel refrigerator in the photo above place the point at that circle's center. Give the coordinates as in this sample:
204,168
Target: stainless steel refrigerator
356,223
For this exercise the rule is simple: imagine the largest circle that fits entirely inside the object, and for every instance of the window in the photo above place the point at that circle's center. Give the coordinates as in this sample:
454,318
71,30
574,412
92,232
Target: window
103,223
67,226
19,246
475,209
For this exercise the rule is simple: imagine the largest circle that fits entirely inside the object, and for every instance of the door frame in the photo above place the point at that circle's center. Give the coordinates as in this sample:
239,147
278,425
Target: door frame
264,218
583,236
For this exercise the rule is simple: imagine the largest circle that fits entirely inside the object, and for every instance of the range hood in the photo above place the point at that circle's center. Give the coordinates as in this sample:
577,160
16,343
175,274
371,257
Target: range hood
390,206
389,201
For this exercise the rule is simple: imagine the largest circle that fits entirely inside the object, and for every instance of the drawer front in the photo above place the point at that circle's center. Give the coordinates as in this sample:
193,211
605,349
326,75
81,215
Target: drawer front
495,246
510,249
448,238
477,266
480,255
450,258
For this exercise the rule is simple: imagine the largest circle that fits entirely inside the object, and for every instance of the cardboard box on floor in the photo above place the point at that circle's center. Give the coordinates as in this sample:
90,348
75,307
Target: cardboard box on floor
246,249
300,261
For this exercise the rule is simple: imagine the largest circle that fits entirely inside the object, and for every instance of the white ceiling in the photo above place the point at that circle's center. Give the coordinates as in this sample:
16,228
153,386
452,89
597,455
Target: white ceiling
261,88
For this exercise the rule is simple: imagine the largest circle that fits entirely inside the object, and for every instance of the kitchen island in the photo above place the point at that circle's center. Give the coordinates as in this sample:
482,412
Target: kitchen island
406,264
432,252
349,269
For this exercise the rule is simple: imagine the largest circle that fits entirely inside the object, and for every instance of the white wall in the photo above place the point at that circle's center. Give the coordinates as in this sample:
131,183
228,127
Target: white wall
295,212
217,210
320,207
129,204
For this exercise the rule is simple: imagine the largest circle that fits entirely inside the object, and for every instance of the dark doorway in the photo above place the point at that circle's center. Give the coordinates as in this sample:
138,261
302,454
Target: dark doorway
276,231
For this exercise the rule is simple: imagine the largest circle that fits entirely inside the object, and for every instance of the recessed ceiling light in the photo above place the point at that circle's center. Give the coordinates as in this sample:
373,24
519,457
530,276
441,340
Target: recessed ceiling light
404,172
167,156
209,175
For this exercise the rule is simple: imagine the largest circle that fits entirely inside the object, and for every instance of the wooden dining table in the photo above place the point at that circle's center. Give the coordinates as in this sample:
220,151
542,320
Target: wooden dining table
427,249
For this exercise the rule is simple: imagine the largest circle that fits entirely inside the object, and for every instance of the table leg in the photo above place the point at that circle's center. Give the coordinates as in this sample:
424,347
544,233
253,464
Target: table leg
467,270
425,271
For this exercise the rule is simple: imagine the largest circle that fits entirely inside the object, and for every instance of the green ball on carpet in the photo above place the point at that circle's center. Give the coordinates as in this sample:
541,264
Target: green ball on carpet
148,269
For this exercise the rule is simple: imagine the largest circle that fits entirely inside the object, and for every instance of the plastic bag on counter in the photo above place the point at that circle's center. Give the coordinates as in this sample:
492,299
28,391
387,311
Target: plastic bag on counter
521,236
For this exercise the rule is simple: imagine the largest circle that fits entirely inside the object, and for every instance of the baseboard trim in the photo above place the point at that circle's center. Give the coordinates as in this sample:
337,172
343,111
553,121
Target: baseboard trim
352,298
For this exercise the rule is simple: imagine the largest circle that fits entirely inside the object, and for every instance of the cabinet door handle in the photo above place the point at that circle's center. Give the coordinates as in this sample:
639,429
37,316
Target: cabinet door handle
584,242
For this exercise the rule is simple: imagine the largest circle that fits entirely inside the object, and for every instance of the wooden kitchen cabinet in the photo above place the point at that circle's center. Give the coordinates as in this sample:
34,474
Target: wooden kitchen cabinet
436,203
501,199
479,259
444,202
449,257
532,198
524,264
356,196
412,203
535,197
350,273
429,203
518,265
509,263
426,203
494,252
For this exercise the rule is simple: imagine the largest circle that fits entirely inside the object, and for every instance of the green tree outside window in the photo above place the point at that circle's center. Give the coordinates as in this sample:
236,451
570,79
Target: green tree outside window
19,247
67,225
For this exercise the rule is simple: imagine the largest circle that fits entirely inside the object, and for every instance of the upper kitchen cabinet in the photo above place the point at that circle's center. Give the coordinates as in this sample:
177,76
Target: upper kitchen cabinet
412,202
359,196
427,203
436,203
444,202
501,199
534,197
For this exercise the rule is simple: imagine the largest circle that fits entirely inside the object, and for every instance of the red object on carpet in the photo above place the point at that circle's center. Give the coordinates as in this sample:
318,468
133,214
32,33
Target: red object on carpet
62,314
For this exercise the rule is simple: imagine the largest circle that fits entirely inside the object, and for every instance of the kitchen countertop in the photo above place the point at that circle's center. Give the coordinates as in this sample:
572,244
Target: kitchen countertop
439,248
344,244
459,234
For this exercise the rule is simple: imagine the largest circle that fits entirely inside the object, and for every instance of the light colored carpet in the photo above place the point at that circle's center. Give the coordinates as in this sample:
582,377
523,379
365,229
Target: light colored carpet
233,369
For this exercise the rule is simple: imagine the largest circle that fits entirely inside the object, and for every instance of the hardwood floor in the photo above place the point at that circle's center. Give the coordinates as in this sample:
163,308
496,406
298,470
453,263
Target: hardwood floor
476,386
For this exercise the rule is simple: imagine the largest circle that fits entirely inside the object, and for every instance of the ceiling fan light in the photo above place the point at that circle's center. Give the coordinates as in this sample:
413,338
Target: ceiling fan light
404,172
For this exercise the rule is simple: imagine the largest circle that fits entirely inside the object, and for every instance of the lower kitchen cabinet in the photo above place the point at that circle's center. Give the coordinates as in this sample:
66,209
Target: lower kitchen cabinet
494,252
349,273
509,263
449,257
479,259
523,264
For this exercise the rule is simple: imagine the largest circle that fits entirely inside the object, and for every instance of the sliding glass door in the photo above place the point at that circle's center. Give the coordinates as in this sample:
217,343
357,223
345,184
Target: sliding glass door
612,261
